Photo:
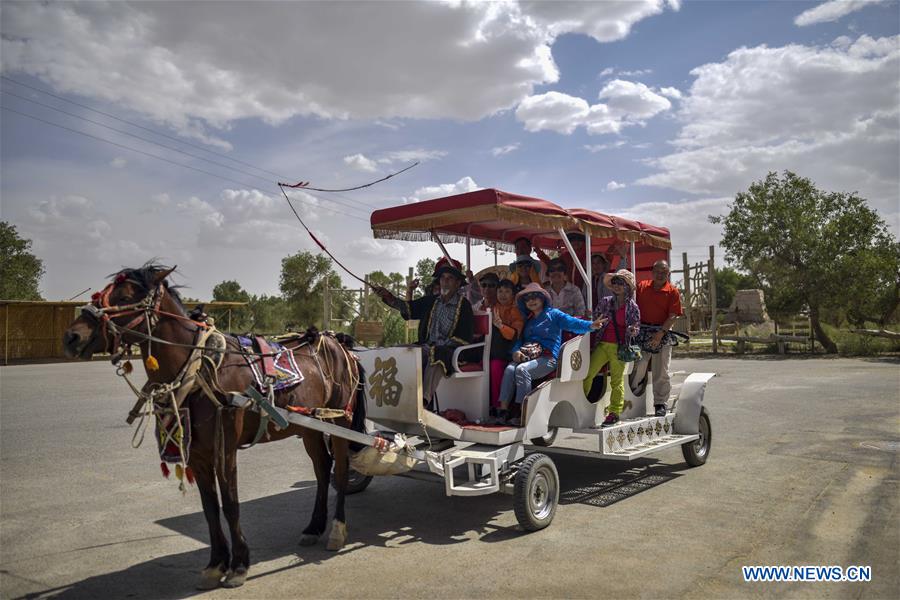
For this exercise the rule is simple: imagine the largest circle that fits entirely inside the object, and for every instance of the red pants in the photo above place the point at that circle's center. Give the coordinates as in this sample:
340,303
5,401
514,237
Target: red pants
498,365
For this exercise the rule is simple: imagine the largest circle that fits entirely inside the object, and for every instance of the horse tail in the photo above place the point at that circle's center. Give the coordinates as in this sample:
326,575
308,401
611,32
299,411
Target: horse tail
358,423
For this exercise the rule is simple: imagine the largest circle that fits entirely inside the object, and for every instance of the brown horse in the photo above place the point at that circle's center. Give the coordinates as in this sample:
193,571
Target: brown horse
140,307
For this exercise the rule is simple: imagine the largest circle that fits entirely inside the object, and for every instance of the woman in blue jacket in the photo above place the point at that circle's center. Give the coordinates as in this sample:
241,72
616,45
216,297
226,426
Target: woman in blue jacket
535,355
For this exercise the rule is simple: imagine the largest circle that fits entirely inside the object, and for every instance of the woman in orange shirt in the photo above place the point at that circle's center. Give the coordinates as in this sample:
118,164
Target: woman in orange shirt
508,323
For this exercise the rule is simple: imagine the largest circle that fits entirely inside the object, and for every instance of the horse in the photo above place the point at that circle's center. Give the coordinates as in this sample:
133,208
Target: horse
140,307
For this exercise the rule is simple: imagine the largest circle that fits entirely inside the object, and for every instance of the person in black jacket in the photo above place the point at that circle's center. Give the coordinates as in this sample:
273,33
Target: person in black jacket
445,323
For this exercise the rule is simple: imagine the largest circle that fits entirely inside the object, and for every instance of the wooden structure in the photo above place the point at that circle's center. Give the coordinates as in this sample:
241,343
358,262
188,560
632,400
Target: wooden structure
33,330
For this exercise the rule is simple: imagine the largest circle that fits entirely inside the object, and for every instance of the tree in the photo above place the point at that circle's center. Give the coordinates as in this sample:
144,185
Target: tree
303,279
241,318
20,270
813,250
424,271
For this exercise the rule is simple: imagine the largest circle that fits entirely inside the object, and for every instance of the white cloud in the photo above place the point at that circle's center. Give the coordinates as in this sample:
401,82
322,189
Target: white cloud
370,165
603,21
687,222
466,184
607,72
671,92
360,162
118,162
237,217
627,103
553,111
827,113
501,150
831,11
162,199
198,67
635,73
416,155
593,148
74,225
614,185
369,247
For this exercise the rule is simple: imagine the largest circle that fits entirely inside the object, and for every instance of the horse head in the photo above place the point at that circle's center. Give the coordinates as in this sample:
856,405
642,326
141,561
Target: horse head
131,301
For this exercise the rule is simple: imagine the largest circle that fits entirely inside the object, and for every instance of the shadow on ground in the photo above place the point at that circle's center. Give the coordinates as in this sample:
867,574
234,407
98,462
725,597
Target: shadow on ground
392,513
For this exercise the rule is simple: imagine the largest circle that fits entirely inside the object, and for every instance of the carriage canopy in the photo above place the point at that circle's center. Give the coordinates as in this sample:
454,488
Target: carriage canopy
500,217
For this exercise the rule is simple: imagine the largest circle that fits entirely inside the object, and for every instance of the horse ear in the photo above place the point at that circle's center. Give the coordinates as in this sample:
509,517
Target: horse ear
161,276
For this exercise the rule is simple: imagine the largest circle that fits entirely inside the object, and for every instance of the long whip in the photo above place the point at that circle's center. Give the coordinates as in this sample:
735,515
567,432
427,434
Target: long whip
305,185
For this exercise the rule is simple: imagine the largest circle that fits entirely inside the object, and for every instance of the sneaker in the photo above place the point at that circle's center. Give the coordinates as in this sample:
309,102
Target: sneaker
660,410
610,420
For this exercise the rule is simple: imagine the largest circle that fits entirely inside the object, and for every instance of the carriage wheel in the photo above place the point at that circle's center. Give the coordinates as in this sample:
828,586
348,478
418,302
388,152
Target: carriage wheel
546,440
696,453
356,481
536,492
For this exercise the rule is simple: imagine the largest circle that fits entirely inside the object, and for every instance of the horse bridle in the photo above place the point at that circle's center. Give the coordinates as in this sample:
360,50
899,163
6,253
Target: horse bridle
103,312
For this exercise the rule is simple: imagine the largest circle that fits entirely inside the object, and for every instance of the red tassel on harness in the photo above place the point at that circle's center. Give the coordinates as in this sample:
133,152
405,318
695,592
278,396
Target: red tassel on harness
189,475
165,469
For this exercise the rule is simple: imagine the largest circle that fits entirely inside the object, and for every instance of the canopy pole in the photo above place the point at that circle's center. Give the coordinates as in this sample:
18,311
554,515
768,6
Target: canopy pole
633,262
588,281
468,248
441,244
575,259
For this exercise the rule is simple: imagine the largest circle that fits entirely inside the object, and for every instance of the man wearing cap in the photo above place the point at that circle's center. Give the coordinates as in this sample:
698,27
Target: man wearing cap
445,322
572,272
523,254
660,305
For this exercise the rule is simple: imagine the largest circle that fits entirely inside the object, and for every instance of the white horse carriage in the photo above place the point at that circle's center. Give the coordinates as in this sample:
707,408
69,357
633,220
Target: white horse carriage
474,459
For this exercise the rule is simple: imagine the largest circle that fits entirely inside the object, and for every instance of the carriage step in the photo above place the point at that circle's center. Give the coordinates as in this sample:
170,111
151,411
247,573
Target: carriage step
633,434
656,445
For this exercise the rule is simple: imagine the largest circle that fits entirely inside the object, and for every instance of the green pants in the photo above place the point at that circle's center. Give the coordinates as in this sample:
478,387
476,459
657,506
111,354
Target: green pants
604,353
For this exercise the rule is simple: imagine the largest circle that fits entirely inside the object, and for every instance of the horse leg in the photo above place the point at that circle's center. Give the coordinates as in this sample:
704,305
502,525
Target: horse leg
212,575
338,536
318,452
240,552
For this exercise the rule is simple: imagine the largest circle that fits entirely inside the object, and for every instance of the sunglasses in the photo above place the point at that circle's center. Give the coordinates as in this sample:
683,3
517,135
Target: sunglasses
533,296
488,285
617,281
556,271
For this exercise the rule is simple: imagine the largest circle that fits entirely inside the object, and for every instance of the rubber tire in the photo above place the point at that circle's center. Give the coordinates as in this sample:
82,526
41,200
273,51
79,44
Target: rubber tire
356,482
535,470
694,455
547,440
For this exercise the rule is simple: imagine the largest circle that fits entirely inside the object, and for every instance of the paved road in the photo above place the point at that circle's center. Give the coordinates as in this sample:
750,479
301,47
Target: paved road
804,471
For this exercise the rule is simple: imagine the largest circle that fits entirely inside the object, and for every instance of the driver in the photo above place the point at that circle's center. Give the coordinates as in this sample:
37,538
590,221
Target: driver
445,323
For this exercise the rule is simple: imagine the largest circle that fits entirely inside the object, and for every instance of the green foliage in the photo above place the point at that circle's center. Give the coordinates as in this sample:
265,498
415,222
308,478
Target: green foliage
303,279
241,319
728,282
813,250
424,272
268,314
20,270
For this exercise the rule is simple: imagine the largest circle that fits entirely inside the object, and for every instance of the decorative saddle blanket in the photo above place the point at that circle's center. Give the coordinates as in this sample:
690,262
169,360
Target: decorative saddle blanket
281,365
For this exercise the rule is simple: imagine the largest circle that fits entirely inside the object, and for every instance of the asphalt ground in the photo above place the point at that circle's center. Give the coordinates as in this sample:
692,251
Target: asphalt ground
803,471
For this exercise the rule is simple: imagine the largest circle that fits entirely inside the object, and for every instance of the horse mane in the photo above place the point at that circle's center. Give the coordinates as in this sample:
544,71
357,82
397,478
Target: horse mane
145,277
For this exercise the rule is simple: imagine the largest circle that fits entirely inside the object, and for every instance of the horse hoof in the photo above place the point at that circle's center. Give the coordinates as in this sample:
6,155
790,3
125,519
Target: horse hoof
338,536
235,578
210,578
308,539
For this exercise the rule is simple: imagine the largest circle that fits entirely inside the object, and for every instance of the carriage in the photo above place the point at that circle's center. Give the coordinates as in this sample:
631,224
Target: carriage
469,457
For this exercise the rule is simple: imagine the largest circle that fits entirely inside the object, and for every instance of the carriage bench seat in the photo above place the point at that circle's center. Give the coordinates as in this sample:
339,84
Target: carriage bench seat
482,330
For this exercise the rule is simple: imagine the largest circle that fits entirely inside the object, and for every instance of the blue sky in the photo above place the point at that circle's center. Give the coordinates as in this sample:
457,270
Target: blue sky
654,110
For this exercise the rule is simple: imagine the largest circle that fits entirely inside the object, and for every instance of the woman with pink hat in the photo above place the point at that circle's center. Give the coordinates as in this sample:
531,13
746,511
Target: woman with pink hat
621,312
534,356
